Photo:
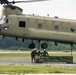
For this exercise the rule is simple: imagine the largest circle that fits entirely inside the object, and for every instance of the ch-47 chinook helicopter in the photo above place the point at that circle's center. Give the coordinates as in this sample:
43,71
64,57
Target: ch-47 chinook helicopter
15,24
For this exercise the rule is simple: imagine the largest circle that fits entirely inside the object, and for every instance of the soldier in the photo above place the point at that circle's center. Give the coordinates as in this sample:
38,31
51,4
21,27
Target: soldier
33,54
45,53
38,57
38,53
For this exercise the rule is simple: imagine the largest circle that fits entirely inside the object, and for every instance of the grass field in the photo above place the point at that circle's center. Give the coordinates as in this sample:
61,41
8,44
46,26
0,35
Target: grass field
14,55
15,69
33,69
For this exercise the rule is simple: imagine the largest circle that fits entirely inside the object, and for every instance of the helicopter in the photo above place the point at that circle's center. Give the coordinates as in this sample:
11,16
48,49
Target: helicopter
14,23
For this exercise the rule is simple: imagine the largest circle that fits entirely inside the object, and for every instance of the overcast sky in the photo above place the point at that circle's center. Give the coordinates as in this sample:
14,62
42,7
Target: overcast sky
60,8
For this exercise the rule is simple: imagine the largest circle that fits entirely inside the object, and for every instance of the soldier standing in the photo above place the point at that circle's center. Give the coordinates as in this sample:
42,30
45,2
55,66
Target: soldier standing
33,54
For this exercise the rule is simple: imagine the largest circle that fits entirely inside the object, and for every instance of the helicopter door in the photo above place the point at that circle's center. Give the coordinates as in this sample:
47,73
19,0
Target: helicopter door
22,28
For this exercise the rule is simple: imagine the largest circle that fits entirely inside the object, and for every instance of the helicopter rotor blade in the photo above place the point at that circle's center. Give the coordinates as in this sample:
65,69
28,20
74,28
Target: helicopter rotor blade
13,2
27,1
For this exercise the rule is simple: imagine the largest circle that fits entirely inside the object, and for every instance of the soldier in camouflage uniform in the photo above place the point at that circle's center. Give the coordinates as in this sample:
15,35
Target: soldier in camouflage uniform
38,53
45,53
33,54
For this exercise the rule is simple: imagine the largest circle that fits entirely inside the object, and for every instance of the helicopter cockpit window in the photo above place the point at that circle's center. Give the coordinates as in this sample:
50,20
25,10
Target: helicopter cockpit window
7,21
0,19
4,19
22,24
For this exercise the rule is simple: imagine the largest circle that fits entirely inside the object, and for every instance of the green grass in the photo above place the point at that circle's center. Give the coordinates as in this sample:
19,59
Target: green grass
27,55
14,55
33,69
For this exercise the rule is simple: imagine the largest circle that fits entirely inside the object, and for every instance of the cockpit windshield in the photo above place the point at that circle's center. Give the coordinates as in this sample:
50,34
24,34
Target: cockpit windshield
3,19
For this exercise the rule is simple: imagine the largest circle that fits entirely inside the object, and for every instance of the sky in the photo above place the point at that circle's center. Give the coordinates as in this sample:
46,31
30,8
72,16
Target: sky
61,8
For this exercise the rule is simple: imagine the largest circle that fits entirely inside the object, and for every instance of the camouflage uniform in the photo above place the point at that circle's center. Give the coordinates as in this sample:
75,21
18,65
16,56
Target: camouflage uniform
33,54
38,53
45,53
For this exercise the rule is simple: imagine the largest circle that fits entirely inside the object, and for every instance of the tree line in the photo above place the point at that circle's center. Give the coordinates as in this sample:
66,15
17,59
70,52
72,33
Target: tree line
8,43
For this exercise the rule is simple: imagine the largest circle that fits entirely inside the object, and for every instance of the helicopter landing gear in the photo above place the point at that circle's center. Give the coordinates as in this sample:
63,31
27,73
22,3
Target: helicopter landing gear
44,45
56,43
32,45
39,41
71,48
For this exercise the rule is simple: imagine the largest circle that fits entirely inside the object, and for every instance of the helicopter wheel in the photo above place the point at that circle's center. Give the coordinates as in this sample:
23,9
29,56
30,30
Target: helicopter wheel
32,46
44,45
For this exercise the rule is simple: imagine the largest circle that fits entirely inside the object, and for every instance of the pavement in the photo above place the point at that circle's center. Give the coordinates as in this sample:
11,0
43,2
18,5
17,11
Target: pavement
27,62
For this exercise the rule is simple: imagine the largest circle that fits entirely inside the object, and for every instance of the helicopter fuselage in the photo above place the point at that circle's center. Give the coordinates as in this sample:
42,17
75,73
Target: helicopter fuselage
40,28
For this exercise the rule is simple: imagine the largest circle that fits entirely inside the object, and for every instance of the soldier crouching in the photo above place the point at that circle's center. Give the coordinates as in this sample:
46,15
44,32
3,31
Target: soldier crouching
45,53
